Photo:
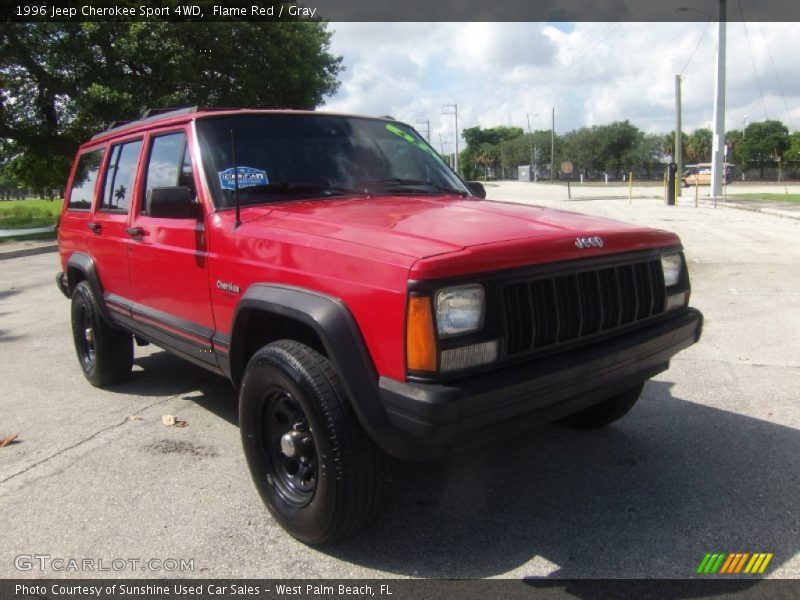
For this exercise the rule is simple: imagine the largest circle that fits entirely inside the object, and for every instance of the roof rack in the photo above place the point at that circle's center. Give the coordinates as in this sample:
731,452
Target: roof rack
151,115
115,124
153,112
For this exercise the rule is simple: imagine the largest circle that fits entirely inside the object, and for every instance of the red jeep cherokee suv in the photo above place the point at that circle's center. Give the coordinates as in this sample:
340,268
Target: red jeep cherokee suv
364,300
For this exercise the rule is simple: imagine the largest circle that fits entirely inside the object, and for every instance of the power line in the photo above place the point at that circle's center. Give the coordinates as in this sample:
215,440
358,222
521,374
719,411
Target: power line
427,129
777,77
755,69
446,111
699,41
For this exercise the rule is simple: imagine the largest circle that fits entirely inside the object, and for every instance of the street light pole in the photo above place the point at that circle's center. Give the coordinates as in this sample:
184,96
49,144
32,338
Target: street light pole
718,140
553,147
530,145
678,129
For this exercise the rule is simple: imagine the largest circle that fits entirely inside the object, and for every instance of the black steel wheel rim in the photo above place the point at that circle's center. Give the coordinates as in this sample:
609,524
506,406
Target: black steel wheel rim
86,339
293,477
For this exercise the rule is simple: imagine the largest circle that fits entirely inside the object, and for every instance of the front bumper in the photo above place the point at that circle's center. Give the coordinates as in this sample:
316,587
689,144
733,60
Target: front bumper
430,420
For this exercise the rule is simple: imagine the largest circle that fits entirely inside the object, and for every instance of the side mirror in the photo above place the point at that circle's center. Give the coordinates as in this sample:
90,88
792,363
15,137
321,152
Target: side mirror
172,203
477,189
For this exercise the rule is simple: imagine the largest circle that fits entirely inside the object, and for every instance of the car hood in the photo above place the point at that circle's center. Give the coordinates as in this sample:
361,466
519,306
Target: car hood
423,227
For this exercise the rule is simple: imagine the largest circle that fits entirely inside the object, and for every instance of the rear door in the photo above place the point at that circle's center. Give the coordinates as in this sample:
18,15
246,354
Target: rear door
109,239
73,231
168,256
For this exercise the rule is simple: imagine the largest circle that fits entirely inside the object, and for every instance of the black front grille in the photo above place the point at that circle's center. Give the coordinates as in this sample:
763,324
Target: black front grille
549,311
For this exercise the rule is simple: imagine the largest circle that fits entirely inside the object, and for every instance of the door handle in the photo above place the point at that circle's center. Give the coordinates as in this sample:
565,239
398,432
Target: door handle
94,227
135,231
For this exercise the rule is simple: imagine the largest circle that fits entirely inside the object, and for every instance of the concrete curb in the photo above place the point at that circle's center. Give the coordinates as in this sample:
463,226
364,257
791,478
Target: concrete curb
28,251
775,212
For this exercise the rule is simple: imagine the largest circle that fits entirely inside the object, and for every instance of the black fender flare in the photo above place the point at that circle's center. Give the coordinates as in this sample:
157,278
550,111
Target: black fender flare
341,337
84,264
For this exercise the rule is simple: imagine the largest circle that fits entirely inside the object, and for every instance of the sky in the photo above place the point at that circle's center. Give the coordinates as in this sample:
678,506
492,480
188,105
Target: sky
591,73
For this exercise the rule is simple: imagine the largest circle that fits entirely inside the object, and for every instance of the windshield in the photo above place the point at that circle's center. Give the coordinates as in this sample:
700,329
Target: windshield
281,157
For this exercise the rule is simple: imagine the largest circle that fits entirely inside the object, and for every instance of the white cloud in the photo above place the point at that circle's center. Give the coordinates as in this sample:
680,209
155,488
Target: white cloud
592,73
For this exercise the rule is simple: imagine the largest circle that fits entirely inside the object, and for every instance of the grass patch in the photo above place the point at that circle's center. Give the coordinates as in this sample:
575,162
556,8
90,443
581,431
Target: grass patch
768,197
25,214
611,184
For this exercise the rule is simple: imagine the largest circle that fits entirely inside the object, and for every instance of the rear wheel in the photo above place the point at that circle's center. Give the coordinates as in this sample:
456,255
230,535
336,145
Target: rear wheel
314,466
104,352
606,412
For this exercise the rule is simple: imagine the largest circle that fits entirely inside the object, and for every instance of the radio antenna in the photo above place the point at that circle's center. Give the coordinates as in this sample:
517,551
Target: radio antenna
238,220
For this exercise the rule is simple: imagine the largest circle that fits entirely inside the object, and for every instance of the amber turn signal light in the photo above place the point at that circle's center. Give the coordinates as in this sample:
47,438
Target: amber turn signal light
420,341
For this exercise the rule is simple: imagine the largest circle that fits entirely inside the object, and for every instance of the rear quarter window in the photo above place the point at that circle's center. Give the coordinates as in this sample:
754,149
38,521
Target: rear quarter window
83,184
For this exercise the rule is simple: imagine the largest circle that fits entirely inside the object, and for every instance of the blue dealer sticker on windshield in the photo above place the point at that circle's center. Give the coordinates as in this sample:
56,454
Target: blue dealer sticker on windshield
247,176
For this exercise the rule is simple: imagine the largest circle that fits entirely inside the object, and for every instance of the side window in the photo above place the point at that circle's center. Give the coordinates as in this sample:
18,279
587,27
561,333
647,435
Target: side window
80,196
120,176
169,165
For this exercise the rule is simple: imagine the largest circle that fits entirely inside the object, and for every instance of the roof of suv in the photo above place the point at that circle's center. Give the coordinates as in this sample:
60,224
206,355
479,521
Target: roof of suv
182,115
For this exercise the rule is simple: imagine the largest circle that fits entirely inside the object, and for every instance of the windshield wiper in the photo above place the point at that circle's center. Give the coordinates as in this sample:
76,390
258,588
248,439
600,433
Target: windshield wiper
289,188
396,182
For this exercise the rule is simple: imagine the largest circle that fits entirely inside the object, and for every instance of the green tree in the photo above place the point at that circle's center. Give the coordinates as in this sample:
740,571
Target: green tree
517,151
60,82
668,145
647,156
488,156
792,155
619,140
475,155
732,140
763,145
698,146
603,148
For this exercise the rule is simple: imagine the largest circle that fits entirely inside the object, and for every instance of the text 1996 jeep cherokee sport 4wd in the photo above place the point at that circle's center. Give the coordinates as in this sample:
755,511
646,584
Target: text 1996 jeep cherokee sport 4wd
362,298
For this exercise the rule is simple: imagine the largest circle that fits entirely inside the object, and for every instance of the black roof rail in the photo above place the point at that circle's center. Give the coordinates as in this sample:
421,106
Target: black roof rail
150,116
153,112
115,124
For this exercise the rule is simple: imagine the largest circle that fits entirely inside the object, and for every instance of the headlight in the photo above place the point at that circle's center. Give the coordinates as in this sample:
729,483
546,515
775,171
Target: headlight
459,310
671,265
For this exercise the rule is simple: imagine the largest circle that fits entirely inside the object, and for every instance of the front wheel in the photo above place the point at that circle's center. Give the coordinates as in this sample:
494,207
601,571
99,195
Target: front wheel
317,471
606,412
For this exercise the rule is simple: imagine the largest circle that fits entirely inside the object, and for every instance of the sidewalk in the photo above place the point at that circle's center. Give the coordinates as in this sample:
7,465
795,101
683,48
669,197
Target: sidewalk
544,192
26,248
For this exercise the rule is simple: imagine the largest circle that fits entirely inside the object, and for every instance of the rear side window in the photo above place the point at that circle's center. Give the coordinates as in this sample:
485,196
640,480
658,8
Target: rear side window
120,176
168,165
80,196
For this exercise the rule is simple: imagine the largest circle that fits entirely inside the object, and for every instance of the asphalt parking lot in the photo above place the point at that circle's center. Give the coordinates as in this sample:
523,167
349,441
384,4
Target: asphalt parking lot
708,460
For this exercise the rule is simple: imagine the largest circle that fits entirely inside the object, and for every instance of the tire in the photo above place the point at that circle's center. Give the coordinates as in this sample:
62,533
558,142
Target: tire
104,352
606,412
332,486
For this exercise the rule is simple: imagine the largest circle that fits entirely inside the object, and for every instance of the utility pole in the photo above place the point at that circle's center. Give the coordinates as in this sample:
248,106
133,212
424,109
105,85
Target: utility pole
718,140
446,111
553,147
530,145
446,156
678,155
427,130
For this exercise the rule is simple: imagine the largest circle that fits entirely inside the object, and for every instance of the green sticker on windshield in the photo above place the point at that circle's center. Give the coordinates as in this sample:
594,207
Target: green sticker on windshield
410,138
